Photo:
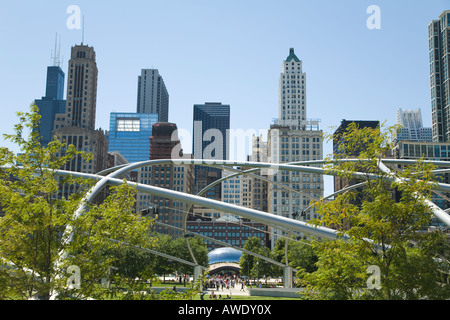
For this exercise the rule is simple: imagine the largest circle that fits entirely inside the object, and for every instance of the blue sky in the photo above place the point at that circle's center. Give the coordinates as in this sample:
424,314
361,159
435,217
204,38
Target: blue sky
230,52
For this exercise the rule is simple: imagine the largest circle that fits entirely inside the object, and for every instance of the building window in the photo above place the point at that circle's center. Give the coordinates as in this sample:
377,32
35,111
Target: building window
130,125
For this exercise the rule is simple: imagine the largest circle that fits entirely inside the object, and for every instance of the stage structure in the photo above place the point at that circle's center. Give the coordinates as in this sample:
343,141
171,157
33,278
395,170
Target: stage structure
289,225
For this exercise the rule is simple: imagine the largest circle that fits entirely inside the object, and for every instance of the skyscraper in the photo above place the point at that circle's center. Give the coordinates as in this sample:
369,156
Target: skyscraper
292,138
77,125
412,127
152,94
81,90
438,44
211,125
210,141
53,103
292,92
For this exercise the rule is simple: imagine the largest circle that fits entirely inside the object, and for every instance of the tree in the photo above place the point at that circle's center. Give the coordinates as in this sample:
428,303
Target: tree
199,250
36,215
301,254
162,265
247,261
384,249
252,266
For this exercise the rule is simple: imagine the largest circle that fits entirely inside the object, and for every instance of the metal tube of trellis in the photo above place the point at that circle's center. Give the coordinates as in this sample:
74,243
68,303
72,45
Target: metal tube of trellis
251,214
438,212
164,255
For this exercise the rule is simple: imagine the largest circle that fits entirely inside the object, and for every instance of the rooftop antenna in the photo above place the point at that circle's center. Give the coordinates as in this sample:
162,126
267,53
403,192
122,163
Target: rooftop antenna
60,58
56,55
82,32
54,52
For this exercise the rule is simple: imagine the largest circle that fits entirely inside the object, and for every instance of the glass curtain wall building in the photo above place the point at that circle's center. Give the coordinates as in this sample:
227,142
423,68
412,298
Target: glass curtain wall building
52,103
129,134
210,141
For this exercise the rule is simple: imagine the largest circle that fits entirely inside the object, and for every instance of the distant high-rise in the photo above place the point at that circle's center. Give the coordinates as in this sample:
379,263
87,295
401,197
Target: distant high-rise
129,133
81,90
412,127
292,138
211,125
53,103
152,94
210,141
438,43
76,126
292,93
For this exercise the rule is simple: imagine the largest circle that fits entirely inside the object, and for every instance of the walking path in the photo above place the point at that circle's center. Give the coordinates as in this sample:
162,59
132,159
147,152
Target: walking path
236,291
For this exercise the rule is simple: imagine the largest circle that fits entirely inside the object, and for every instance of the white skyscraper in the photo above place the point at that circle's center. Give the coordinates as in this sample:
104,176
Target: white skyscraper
412,128
152,94
293,138
292,93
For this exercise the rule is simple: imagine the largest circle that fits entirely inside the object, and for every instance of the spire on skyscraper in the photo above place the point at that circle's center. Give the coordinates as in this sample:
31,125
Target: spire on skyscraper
292,56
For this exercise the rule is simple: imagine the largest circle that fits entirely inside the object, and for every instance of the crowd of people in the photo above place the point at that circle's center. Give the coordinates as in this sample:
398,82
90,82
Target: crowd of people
226,282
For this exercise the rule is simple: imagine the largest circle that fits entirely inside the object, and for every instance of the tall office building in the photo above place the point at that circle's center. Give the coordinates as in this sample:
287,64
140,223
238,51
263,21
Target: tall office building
439,53
292,93
211,121
81,90
77,125
295,146
152,94
129,134
292,138
53,103
210,141
412,127
169,176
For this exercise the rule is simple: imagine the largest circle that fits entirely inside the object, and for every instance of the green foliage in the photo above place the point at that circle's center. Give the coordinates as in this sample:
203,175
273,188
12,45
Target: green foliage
36,216
383,224
301,254
180,249
252,266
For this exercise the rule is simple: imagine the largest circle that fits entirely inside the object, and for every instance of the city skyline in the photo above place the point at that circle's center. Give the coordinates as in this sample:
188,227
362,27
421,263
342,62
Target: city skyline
220,63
